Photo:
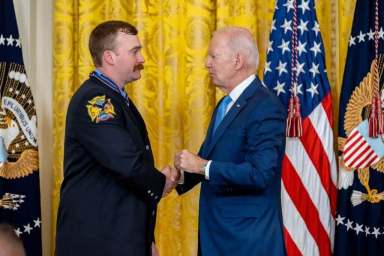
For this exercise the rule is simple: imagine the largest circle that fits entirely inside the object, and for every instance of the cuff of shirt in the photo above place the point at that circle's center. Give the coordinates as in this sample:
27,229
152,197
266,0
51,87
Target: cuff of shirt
206,169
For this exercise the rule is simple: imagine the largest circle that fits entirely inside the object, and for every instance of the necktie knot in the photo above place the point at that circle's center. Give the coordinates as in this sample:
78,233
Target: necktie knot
221,110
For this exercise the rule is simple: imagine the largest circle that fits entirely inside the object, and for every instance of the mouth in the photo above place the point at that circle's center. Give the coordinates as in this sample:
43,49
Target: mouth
138,67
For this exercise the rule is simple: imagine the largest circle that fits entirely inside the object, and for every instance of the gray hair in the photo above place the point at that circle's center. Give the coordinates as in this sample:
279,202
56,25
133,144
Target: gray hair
241,40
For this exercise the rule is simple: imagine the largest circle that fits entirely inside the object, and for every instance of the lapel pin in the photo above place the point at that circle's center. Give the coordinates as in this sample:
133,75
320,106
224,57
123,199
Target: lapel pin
238,105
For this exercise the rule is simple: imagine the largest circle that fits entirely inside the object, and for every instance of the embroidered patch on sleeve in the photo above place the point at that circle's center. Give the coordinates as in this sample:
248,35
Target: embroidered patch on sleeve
100,109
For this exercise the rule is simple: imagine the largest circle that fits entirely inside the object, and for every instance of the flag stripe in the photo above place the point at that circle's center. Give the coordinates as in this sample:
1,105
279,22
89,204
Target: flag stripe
303,166
292,220
326,133
320,149
327,106
315,152
363,157
303,203
290,245
354,135
358,147
373,160
355,145
357,154
350,140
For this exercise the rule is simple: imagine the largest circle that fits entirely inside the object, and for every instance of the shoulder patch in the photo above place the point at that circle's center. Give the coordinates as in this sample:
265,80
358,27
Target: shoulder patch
100,108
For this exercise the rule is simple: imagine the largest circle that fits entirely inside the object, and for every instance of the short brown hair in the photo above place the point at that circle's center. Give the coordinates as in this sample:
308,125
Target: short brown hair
103,38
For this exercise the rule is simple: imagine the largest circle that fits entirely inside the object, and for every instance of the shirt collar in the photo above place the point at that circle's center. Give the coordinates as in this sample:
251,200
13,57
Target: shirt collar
110,83
238,90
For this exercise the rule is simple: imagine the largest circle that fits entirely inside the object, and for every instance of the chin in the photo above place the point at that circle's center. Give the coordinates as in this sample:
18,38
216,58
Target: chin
135,77
216,82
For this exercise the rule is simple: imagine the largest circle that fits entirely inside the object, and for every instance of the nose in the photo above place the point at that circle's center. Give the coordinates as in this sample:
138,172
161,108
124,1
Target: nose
140,58
208,62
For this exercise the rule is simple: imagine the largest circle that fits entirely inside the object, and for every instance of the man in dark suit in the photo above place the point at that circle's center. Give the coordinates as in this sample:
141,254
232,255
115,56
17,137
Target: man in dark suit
111,187
239,163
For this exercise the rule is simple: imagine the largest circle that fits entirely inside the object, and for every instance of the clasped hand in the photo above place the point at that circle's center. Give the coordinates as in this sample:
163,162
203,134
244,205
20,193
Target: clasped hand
172,176
185,161
189,162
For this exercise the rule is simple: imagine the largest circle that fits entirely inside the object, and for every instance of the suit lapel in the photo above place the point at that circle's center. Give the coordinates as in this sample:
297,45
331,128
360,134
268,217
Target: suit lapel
208,137
236,108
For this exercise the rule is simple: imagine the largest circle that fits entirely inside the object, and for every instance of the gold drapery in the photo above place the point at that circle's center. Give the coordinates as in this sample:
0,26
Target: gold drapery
174,95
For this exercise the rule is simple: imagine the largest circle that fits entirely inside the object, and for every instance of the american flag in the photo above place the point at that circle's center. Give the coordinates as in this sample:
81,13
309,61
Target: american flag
309,172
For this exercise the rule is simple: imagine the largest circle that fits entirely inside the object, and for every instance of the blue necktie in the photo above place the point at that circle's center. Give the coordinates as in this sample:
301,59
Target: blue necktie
221,111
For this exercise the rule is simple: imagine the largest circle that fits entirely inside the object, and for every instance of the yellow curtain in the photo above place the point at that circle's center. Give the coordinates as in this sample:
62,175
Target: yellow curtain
174,95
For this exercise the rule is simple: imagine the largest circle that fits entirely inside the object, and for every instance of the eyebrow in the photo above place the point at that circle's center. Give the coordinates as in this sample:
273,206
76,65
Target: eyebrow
136,48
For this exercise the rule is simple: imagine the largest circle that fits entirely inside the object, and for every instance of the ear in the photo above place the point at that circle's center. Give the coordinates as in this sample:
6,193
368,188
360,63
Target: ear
109,57
239,61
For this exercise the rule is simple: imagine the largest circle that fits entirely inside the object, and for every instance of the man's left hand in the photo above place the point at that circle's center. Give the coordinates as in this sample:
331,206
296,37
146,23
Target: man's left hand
189,162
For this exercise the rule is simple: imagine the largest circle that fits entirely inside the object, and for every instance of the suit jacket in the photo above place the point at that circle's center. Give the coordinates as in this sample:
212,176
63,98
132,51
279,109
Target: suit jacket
240,210
111,188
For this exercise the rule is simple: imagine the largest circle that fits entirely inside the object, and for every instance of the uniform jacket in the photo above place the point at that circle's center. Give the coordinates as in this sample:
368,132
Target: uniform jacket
240,210
111,188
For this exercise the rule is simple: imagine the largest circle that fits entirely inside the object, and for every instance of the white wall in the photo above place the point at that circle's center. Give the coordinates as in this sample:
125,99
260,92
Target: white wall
35,19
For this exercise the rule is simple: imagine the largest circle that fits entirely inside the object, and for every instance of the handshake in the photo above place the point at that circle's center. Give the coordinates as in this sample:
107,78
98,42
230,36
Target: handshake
184,161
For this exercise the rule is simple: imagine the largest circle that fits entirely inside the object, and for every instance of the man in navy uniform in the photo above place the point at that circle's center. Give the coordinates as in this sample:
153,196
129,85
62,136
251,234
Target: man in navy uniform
111,187
239,163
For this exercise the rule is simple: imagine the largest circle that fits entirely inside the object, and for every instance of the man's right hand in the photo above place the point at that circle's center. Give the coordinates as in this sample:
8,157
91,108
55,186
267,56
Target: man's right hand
172,176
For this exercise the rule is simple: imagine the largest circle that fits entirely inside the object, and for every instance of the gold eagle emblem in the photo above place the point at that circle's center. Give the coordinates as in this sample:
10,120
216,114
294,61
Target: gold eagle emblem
357,110
27,163
18,125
